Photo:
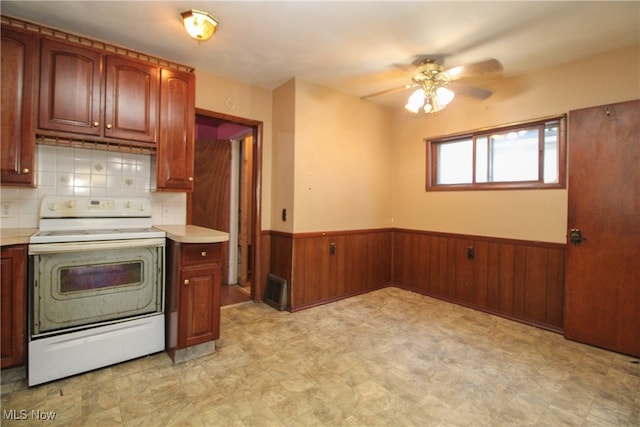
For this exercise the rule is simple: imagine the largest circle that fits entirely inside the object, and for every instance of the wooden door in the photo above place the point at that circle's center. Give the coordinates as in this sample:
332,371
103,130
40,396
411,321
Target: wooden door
175,168
602,289
70,83
131,108
211,197
18,83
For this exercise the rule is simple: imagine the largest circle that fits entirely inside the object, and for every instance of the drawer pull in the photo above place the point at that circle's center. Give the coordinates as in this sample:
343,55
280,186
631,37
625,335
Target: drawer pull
186,281
109,126
96,124
203,253
25,170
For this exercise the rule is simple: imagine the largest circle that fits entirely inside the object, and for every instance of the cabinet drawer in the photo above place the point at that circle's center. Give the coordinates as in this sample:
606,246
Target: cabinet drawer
201,253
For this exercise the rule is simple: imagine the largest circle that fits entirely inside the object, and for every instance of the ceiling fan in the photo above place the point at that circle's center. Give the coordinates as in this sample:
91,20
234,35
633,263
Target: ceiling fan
436,86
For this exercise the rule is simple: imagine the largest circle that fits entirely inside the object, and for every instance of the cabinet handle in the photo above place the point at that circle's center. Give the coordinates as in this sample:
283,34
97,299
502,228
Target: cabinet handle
109,126
96,124
25,170
186,281
203,253
190,179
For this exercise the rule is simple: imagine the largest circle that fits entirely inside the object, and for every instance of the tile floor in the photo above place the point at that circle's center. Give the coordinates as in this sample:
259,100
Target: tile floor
386,358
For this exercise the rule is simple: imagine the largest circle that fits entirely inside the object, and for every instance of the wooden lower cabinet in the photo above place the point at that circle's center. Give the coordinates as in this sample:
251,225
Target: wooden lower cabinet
193,299
13,286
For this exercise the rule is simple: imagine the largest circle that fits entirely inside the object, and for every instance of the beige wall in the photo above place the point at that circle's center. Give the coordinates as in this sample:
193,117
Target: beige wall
221,95
342,175
336,162
283,156
539,215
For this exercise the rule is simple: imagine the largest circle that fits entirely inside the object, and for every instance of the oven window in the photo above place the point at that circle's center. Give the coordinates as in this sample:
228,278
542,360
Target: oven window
88,277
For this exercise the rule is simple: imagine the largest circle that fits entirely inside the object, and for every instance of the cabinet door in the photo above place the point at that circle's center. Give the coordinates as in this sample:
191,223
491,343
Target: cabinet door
17,133
199,306
131,109
13,306
177,123
70,96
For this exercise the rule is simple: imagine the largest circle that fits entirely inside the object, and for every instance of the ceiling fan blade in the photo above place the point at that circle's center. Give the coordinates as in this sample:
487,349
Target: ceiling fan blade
478,68
471,91
387,91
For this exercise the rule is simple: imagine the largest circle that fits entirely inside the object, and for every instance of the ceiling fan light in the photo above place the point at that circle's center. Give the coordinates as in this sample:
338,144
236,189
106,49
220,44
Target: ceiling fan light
199,25
416,101
444,96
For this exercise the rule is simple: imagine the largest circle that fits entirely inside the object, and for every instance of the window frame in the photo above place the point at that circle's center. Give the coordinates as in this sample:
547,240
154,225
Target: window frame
432,158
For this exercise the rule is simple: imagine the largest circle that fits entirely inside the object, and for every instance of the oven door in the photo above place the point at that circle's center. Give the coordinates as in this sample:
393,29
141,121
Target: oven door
75,285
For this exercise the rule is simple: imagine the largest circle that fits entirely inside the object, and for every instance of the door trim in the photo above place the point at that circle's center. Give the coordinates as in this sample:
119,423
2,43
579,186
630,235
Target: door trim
257,126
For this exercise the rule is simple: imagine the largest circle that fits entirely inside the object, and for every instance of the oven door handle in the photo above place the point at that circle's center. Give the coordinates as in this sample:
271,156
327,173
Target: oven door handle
48,248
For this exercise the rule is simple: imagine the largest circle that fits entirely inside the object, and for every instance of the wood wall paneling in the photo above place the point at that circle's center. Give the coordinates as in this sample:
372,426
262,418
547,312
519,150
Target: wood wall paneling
519,280
280,261
516,279
361,262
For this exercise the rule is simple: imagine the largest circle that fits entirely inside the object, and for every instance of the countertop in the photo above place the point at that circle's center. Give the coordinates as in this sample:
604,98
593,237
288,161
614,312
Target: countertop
16,236
193,234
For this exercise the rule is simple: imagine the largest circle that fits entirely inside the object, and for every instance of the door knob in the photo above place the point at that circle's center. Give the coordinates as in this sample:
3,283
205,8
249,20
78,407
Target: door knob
575,236
186,281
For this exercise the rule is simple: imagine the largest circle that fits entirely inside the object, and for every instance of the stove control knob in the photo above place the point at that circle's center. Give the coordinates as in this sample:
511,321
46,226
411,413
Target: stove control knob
141,207
127,204
53,206
71,204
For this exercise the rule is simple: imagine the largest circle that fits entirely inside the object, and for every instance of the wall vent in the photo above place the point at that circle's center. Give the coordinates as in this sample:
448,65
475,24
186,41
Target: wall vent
276,292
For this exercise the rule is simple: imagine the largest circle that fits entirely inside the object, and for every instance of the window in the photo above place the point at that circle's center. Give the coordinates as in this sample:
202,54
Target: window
529,155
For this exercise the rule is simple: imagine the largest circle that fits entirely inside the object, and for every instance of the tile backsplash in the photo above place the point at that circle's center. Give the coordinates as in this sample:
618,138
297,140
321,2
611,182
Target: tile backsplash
86,172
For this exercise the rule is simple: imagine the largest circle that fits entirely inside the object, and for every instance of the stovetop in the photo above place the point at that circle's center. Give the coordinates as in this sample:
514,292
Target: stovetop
85,219
62,236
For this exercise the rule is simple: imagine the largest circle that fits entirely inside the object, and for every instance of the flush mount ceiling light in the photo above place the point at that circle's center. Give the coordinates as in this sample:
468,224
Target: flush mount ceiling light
199,25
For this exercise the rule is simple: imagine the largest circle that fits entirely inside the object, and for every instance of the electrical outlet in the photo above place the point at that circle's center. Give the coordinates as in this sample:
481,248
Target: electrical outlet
332,248
471,252
7,210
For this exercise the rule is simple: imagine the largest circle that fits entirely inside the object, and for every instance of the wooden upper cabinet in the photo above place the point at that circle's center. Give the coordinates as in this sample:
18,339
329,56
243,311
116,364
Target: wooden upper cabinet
132,100
70,89
72,80
18,54
177,126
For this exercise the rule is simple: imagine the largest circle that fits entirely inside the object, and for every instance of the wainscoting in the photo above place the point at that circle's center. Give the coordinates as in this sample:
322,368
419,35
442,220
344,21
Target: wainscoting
519,280
324,267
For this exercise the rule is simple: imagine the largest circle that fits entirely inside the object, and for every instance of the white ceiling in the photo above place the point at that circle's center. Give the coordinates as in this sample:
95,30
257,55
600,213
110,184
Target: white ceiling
351,46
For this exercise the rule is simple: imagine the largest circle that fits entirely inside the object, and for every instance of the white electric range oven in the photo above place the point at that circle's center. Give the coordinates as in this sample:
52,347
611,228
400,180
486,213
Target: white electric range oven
96,285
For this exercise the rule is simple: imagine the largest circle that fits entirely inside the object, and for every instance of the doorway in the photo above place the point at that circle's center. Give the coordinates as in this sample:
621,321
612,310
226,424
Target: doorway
226,197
